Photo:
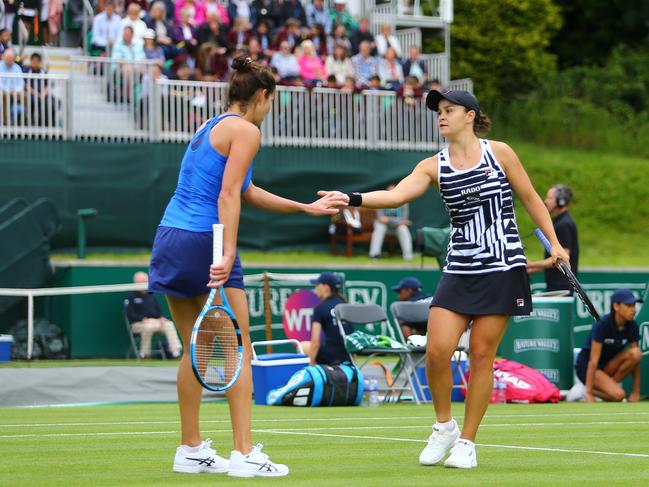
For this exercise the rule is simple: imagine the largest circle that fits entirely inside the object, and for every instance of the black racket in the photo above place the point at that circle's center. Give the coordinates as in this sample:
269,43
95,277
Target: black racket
581,294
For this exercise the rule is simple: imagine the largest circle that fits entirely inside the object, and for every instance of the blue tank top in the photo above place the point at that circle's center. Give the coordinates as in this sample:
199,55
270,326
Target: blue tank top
194,205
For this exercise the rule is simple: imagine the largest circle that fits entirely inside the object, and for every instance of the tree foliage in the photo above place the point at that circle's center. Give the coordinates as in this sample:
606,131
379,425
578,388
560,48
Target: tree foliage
502,45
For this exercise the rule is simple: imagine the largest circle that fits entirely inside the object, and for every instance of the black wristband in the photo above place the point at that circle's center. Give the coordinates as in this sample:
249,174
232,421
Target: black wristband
355,199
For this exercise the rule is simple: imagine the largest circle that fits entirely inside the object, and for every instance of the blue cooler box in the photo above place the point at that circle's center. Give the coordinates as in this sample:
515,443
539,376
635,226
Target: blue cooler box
6,342
456,394
273,370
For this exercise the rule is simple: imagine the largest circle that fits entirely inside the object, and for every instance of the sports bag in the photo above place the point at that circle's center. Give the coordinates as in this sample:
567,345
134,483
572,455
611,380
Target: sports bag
524,384
320,385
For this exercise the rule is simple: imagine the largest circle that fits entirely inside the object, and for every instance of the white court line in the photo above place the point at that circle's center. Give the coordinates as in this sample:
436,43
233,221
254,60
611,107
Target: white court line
327,428
292,420
386,438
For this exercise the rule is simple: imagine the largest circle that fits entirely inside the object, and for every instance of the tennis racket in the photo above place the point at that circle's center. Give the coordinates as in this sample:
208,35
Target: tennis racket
565,270
215,350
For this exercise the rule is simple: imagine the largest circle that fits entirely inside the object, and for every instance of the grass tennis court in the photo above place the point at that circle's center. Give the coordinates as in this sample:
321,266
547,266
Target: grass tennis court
561,444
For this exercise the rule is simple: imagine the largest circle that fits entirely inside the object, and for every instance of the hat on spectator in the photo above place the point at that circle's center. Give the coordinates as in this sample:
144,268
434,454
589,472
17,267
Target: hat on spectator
458,97
624,296
327,278
407,282
340,2
149,34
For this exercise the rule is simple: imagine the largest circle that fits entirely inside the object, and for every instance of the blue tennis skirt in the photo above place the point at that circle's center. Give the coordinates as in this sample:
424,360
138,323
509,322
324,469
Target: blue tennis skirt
180,263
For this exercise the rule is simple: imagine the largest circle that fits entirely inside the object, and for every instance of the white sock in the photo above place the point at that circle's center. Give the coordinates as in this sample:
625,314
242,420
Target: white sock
468,442
448,425
192,449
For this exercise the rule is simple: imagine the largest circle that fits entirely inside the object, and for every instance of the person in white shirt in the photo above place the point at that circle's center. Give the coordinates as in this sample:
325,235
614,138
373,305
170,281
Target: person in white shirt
285,62
134,21
385,39
106,29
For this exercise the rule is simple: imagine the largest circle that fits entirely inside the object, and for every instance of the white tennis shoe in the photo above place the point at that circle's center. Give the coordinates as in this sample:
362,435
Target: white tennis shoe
462,455
204,460
439,443
255,464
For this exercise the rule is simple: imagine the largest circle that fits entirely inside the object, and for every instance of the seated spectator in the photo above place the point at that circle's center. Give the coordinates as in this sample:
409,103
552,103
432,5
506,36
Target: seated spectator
291,9
255,52
240,9
285,62
375,84
291,32
12,89
128,48
212,32
318,13
5,40
339,64
410,91
390,70
195,12
331,82
611,353
143,4
266,11
365,65
319,38
155,74
340,15
326,346
385,40
106,29
145,316
156,20
42,104
360,34
409,289
338,36
211,63
212,6
349,85
414,66
151,48
434,85
239,34
183,33
134,21
312,69
393,220
262,34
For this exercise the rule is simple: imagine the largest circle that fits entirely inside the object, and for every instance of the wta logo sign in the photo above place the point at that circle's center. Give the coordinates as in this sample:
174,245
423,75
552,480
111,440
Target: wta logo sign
297,313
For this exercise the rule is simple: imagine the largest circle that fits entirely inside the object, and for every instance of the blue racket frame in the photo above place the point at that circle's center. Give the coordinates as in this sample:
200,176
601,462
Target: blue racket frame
209,306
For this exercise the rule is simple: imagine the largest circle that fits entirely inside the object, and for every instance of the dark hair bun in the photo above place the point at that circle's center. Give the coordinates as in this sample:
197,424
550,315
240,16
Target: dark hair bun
242,64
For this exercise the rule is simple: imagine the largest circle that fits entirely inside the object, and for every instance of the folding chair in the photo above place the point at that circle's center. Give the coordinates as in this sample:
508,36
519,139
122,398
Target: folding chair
359,315
417,312
135,349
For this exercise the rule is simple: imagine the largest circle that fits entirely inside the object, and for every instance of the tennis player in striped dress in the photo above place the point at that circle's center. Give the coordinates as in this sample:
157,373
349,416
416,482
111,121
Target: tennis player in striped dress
484,279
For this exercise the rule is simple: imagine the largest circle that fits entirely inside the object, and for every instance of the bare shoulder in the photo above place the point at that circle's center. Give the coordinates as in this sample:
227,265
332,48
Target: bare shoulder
428,167
231,130
503,152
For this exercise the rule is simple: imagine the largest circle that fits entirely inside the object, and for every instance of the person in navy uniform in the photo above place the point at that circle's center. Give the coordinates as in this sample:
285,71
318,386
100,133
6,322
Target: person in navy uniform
409,289
331,350
611,352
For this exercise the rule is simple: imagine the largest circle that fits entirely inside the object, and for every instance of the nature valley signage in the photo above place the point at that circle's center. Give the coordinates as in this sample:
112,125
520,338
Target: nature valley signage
547,314
537,344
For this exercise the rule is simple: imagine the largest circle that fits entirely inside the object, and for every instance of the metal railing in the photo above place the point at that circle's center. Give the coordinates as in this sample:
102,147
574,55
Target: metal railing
408,38
436,66
33,105
107,100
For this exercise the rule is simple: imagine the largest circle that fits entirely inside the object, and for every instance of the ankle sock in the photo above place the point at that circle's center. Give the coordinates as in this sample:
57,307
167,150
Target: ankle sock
448,425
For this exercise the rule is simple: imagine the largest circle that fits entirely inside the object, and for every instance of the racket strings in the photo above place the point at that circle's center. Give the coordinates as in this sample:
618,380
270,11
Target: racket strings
217,348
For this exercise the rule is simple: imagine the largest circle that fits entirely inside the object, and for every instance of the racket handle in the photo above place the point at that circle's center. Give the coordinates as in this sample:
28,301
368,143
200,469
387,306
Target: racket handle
217,243
543,239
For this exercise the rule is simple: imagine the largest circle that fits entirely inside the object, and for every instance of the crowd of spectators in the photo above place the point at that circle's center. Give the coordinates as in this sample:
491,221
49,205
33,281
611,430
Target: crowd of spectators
312,45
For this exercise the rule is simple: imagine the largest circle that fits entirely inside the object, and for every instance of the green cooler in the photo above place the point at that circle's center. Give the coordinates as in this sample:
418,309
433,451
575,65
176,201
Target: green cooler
544,339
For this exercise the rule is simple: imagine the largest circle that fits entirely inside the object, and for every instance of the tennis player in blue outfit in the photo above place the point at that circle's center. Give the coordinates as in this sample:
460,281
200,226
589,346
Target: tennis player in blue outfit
215,175
484,279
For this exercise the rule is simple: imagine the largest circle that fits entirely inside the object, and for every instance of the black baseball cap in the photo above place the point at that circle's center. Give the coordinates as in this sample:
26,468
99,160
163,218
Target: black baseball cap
458,97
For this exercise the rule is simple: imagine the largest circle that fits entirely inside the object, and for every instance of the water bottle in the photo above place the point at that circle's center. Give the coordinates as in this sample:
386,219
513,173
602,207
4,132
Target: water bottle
500,389
374,392
366,391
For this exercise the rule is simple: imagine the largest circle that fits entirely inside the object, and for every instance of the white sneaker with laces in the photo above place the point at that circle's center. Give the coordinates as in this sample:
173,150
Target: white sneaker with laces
204,460
255,464
439,444
462,455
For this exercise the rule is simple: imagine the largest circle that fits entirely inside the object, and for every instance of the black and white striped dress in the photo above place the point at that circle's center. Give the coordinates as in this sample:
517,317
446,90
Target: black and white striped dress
485,264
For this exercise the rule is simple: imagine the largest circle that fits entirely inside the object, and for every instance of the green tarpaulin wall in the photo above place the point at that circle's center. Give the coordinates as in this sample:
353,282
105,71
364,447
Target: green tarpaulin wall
130,184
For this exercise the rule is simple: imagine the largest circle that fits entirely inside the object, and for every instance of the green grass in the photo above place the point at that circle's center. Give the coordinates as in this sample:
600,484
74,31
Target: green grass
98,362
134,445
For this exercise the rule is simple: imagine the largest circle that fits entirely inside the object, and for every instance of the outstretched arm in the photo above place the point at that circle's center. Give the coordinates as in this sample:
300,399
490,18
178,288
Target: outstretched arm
532,202
408,189
259,197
